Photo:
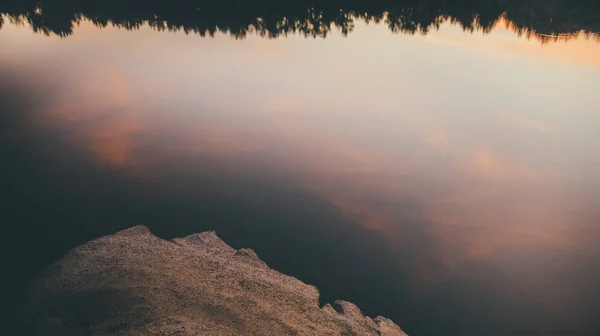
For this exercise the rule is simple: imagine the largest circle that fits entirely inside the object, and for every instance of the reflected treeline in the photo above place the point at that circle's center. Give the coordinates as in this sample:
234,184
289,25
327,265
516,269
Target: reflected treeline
545,20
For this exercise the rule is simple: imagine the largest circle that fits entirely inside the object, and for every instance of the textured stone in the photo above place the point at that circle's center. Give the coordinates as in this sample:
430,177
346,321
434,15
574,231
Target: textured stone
134,283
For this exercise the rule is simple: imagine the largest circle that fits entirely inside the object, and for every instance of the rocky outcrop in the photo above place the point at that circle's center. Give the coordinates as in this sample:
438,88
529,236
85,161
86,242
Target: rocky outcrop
134,283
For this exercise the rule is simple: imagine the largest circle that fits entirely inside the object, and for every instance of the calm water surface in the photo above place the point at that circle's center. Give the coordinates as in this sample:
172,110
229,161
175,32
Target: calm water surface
450,181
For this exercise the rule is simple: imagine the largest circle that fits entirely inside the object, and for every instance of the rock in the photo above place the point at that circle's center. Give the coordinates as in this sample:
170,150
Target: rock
134,283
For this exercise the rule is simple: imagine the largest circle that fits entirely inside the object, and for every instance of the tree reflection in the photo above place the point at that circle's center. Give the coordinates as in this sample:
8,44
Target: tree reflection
542,20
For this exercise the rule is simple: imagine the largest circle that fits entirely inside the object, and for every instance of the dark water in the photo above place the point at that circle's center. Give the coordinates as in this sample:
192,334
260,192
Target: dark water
439,165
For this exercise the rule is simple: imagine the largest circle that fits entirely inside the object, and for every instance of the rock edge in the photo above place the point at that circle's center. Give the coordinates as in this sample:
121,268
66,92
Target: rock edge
134,283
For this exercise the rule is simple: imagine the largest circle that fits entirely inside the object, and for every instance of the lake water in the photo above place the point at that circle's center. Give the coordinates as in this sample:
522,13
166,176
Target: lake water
449,180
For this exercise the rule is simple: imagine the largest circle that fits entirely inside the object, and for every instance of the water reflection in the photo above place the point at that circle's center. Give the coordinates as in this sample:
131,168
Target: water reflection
559,20
448,181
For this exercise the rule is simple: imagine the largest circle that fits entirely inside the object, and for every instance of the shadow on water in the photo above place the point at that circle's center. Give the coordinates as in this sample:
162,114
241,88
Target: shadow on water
54,198
542,20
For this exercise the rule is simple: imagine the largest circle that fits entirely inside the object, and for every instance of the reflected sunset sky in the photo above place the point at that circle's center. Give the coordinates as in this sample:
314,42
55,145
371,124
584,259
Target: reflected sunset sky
455,149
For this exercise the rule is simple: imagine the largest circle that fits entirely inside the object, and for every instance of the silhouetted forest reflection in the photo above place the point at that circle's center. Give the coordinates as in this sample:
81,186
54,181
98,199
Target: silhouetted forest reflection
542,20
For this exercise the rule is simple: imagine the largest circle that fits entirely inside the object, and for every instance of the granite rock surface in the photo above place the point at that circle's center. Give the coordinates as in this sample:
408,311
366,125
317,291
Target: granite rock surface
134,283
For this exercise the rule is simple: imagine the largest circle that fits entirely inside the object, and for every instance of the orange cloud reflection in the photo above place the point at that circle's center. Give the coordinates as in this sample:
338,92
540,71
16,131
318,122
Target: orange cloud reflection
99,116
434,182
